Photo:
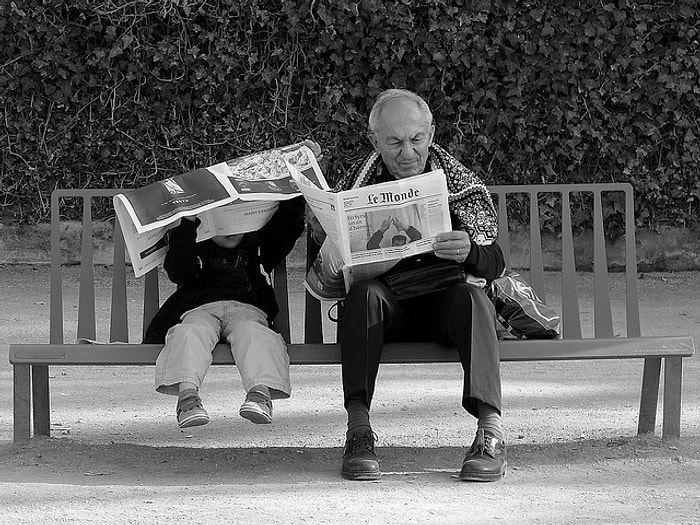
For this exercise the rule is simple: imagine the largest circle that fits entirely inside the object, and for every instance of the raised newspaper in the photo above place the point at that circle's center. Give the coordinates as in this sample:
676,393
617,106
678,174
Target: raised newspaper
236,196
370,229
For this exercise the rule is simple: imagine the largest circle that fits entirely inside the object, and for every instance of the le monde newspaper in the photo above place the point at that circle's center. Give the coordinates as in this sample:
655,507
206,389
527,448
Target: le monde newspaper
369,229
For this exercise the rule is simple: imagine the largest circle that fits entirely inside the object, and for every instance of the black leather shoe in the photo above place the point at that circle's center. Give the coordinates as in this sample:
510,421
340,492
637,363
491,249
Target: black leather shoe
359,460
485,459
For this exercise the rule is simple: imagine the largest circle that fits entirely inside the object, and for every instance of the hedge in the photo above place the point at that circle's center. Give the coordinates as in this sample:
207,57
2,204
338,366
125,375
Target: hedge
111,93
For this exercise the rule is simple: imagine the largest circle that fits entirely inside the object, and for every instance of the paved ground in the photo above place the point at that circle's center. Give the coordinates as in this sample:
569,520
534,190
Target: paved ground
116,455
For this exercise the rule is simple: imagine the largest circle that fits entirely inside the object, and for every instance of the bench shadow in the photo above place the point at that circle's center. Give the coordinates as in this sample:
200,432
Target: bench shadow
67,461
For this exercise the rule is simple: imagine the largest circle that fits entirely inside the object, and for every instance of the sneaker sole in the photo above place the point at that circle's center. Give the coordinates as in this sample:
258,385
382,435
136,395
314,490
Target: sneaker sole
257,417
195,420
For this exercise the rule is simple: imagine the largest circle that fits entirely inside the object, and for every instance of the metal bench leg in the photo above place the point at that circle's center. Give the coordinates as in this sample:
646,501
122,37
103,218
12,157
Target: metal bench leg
673,379
650,395
40,397
22,402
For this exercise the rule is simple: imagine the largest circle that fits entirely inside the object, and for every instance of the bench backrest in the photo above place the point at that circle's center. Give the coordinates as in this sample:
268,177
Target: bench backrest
540,199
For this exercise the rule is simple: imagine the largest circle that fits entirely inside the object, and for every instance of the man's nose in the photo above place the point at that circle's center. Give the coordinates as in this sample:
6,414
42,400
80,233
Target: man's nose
407,150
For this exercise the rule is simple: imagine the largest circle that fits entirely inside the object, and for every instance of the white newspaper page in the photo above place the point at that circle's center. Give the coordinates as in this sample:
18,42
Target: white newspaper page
373,227
164,202
146,250
236,217
325,206
303,165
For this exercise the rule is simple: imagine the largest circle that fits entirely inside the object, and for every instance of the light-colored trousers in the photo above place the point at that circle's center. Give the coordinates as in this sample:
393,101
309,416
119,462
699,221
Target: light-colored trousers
259,352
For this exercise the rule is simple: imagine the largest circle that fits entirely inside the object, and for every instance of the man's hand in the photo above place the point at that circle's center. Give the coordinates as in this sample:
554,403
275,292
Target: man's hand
454,245
400,225
318,234
386,223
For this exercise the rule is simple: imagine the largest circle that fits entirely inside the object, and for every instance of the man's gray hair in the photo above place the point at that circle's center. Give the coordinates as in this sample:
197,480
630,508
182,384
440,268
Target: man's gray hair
397,94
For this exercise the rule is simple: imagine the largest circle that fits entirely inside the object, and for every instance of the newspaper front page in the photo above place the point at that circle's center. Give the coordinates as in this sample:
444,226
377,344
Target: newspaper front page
371,228
236,196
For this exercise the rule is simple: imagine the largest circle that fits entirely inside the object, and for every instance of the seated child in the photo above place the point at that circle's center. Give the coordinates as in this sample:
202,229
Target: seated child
224,296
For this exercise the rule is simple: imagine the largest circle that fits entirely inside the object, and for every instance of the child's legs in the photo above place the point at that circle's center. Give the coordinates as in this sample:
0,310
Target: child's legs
186,356
260,353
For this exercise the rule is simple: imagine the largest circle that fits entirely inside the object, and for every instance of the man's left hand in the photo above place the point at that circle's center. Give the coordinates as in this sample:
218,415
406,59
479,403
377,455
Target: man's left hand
454,245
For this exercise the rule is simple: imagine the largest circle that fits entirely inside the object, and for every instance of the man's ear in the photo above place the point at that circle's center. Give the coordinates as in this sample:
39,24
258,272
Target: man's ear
373,140
432,134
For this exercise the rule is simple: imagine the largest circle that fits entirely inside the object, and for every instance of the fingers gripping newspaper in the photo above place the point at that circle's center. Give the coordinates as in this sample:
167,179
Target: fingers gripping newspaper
370,229
236,196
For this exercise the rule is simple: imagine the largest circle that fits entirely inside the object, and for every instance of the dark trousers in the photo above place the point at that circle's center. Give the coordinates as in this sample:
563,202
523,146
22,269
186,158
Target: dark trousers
461,316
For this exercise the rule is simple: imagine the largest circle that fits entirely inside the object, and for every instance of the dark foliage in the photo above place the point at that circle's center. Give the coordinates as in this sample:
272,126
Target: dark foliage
107,93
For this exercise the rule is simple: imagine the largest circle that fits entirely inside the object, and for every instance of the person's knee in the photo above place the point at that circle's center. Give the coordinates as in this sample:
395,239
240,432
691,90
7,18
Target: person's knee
465,299
255,331
189,331
462,297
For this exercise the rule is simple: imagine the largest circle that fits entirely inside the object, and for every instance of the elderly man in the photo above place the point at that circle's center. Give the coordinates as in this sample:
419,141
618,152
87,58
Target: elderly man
401,131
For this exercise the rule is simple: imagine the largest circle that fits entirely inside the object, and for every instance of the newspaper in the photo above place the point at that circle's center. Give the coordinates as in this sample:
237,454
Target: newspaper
370,229
236,196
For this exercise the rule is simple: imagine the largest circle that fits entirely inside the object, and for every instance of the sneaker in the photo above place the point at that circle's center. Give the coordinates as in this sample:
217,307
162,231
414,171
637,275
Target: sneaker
360,463
485,459
257,408
190,412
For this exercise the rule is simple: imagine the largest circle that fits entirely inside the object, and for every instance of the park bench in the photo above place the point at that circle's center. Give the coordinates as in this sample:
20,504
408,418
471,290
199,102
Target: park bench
31,362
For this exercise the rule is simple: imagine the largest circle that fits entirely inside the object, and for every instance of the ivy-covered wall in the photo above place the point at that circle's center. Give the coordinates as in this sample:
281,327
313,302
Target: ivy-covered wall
107,93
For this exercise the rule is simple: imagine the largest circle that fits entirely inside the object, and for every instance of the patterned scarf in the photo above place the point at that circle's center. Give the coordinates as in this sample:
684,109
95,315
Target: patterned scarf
469,200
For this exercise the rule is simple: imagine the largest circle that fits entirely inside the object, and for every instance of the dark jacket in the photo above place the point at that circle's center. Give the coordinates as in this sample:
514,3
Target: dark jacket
205,272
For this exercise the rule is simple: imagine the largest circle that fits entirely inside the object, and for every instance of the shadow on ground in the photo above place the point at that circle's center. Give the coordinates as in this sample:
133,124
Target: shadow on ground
65,461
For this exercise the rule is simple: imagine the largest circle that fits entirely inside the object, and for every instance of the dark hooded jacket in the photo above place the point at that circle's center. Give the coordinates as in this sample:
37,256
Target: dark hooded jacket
206,272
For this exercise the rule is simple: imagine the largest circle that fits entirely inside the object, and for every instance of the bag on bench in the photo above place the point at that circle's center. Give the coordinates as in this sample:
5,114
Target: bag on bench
520,310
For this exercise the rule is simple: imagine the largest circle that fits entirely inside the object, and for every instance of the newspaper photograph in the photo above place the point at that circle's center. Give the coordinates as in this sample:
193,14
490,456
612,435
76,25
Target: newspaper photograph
268,174
375,226
214,195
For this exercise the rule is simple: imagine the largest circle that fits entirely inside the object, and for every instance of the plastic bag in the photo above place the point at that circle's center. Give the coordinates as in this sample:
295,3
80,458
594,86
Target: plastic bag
519,309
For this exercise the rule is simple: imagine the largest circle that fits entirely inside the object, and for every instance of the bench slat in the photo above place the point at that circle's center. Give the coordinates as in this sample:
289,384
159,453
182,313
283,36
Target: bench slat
601,287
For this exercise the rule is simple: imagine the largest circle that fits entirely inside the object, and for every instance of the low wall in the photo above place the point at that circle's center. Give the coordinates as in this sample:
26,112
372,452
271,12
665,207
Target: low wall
665,250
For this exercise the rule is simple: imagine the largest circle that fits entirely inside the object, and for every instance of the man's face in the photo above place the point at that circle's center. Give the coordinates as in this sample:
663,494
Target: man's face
402,138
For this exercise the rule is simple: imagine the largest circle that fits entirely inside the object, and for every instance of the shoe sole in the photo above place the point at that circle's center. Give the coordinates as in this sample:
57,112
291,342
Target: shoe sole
256,416
484,477
361,476
195,420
